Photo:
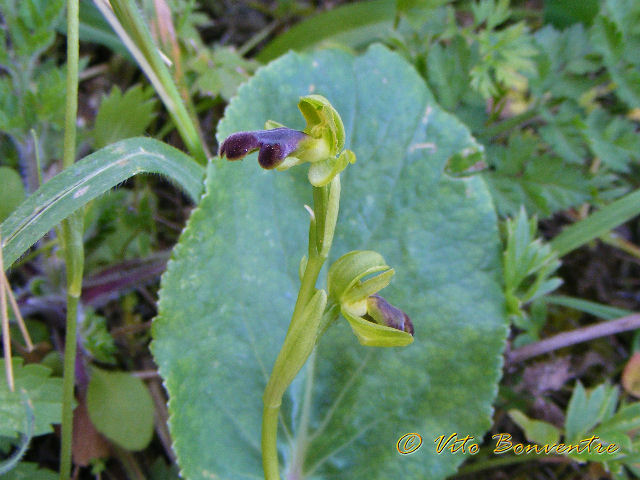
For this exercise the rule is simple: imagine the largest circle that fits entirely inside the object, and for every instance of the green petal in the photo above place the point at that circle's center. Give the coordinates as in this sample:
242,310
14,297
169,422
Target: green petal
374,335
360,291
321,173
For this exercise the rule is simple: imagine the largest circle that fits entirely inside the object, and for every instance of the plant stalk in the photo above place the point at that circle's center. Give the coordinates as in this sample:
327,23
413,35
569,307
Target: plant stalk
278,382
72,229
304,328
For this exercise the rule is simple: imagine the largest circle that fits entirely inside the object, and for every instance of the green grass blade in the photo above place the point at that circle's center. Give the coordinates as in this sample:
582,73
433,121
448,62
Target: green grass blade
597,224
85,180
126,20
605,312
363,17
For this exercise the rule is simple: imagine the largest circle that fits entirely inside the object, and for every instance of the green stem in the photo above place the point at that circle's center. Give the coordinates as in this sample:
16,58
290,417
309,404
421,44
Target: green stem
269,442
67,388
282,372
71,105
302,440
72,228
305,325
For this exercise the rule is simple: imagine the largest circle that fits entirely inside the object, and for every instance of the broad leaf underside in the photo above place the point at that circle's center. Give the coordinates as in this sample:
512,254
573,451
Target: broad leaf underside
229,290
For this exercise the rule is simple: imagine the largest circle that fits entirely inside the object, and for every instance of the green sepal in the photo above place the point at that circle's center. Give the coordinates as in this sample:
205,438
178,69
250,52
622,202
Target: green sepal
349,269
323,150
372,334
323,121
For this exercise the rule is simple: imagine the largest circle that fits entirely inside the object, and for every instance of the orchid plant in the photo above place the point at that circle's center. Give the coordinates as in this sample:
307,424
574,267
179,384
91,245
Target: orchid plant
354,280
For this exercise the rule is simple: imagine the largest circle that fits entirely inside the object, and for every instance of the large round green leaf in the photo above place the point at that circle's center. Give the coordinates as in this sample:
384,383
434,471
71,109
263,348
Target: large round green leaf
229,290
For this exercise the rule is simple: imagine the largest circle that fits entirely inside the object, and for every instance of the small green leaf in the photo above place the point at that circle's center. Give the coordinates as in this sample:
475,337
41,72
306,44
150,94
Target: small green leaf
537,431
528,264
121,408
44,393
490,12
113,232
532,322
575,421
625,420
614,140
12,193
616,41
221,71
96,338
506,55
522,175
123,116
30,471
563,13
587,409
566,59
607,38
32,29
448,68
564,132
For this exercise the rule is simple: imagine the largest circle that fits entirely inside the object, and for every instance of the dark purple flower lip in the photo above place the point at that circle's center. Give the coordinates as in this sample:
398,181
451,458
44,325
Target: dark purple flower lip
393,317
274,145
